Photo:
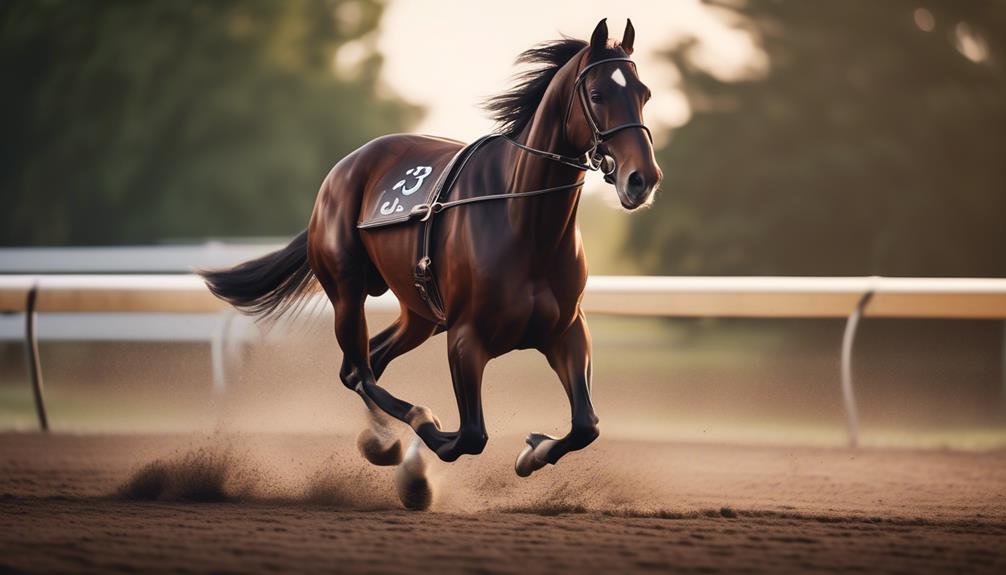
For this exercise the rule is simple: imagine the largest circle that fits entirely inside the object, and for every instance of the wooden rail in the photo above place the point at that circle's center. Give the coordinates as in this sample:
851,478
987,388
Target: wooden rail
755,297
797,297
738,297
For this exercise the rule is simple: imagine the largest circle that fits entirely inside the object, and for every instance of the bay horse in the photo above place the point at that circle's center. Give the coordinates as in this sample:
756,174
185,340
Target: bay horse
490,253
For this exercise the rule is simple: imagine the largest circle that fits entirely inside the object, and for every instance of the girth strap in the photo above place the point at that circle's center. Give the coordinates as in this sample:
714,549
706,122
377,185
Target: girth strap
424,278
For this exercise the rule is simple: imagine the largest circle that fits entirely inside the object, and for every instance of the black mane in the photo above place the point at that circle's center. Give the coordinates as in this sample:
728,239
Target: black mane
513,109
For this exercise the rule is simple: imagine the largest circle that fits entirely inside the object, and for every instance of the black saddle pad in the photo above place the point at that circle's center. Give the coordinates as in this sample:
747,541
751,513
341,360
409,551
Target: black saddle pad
402,192
418,183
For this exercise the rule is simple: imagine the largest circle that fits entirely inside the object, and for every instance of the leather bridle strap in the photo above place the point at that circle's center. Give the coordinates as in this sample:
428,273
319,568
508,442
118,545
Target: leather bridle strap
589,160
598,136
570,161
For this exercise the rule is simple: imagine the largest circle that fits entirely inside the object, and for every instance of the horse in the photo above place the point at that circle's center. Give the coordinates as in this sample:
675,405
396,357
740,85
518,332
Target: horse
490,254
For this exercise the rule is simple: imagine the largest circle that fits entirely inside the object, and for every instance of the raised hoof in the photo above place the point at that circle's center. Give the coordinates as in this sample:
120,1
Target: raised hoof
533,457
414,489
377,449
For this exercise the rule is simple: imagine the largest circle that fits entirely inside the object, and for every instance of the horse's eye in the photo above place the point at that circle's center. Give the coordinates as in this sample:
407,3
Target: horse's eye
596,97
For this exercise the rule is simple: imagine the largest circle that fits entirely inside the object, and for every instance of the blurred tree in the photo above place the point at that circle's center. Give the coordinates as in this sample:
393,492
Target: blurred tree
130,122
875,144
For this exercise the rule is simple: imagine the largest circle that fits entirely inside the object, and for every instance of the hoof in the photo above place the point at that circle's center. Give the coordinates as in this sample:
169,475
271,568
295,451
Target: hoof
377,449
414,491
413,487
533,457
526,463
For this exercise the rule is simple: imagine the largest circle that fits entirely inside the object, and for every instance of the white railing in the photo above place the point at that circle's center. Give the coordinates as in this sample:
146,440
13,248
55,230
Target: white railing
741,297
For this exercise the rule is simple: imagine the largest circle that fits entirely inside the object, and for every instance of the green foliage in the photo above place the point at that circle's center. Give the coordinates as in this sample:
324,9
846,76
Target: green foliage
130,122
870,147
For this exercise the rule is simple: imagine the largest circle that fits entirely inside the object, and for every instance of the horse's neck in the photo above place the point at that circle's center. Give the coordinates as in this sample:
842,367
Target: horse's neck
551,218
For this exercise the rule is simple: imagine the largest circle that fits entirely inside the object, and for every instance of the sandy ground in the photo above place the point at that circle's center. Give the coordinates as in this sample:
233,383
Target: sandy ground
307,503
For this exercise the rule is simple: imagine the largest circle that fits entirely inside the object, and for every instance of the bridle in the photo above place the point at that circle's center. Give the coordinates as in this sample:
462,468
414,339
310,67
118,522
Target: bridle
598,136
593,159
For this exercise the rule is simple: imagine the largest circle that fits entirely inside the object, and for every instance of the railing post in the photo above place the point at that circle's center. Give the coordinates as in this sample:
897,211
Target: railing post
848,394
1003,371
34,364
218,351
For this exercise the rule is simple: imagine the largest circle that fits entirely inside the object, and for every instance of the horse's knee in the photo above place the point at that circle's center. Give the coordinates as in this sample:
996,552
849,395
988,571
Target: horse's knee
349,375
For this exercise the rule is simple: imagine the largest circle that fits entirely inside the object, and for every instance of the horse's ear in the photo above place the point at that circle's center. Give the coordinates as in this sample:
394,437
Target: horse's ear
628,37
599,39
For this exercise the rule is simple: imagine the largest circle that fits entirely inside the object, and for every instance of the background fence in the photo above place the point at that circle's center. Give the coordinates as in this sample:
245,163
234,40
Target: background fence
739,297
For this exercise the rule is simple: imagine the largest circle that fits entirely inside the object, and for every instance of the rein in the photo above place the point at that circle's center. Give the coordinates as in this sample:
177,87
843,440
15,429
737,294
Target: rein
427,210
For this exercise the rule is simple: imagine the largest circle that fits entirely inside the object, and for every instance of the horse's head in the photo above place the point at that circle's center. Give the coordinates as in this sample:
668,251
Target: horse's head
606,110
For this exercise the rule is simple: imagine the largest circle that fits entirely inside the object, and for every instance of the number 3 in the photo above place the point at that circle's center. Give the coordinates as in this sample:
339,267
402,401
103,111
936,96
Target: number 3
420,173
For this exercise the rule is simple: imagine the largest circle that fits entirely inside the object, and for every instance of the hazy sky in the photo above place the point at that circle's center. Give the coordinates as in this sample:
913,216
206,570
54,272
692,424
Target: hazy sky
449,55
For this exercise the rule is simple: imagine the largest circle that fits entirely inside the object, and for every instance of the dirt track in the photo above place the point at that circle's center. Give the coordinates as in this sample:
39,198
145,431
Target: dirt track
309,503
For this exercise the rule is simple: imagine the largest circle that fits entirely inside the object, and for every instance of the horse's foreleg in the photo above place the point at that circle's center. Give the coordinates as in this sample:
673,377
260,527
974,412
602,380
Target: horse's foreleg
468,361
569,356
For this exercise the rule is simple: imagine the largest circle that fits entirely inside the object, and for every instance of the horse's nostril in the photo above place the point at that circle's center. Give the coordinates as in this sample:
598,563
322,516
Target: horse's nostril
636,181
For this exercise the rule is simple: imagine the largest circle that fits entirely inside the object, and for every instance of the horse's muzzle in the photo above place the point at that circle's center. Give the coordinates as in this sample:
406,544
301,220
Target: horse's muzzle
637,189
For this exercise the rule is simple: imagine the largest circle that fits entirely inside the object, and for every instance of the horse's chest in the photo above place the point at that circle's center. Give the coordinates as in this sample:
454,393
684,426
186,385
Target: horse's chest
527,320
545,309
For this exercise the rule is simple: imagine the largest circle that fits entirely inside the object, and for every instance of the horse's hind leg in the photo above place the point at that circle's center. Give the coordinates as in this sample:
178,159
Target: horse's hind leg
338,272
569,356
379,442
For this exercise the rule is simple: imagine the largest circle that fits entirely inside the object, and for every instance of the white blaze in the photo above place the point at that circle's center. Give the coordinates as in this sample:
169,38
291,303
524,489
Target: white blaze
618,77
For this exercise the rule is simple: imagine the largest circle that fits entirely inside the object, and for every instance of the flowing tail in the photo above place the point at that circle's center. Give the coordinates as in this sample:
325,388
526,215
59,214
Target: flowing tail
268,286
